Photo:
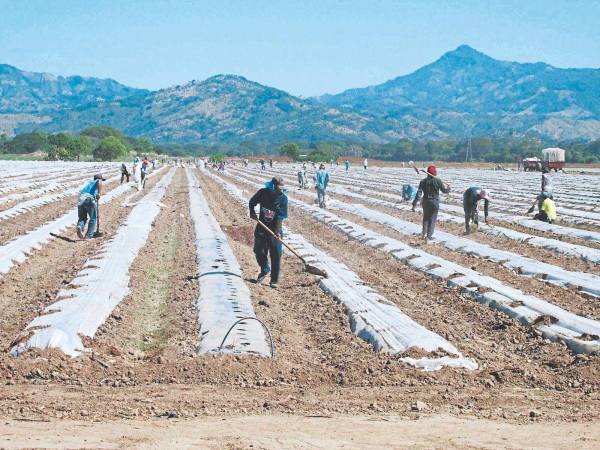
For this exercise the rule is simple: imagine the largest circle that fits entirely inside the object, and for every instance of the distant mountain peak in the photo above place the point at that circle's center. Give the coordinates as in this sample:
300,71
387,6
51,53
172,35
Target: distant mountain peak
465,52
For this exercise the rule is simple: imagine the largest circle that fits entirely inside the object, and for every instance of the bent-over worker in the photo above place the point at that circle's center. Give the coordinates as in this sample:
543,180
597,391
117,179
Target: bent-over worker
87,206
273,209
471,198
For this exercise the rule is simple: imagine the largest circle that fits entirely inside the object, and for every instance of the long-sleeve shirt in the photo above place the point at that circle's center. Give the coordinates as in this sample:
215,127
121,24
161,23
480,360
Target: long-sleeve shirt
430,188
321,179
273,208
471,197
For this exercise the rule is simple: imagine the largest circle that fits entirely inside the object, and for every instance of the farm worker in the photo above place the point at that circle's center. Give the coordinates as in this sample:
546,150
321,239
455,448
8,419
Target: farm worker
408,192
271,163
124,173
144,169
321,182
347,164
300,179
273,209
471,198
548,211
262,164
365,163
546,181
430,188
87,206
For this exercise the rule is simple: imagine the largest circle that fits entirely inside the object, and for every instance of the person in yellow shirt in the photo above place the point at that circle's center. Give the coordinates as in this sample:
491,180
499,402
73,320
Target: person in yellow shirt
547,211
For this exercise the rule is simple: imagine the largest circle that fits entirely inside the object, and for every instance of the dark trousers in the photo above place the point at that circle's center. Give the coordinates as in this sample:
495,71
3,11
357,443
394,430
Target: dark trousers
87,207
266,245
430,212
471,214
123,175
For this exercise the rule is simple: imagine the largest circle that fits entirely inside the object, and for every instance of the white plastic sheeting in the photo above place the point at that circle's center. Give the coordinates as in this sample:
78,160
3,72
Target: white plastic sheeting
17,250
372,317
29,205
579,333
98,288
224,297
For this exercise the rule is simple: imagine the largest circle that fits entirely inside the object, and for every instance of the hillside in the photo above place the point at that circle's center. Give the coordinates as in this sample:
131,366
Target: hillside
465,92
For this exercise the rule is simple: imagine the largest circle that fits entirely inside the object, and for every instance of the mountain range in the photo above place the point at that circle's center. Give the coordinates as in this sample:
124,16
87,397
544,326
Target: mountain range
465,92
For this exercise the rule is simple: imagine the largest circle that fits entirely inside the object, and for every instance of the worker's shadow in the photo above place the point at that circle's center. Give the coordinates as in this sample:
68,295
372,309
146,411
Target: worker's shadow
63,238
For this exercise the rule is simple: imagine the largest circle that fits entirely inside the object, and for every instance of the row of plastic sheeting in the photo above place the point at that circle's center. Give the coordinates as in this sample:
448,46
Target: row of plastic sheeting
224,304
99,287
372,317
34,173
29,205
579,333
49,185
17,250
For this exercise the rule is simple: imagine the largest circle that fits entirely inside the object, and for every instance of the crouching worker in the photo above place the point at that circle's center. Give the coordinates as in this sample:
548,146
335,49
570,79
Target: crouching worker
273,205
547,210
471,198
409,192
87,206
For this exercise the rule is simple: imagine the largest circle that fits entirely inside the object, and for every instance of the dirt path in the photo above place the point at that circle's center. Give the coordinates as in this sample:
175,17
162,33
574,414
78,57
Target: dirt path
292,432
158,318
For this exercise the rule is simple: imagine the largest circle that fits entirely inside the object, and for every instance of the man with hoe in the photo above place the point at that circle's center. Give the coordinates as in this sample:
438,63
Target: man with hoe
273,205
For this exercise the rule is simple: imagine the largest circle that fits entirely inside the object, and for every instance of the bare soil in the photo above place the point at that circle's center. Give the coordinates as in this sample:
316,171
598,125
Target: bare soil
143,384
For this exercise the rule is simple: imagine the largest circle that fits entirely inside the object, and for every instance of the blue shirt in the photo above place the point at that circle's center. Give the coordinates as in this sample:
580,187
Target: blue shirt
409,192
321,179
91,188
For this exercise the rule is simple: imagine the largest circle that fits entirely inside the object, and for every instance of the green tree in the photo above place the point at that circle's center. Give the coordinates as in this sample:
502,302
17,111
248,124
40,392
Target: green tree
110,148
28,143
291,150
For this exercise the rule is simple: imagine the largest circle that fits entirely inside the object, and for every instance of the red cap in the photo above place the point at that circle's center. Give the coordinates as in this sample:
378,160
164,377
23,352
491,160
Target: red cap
431,171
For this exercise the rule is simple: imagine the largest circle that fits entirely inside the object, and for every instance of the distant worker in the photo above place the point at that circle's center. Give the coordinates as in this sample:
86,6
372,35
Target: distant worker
547,211
262,164
471,198
87,206
347,164
273,210
430,188
409,192
301,180
271,163
546,181
144,172
321,182
365,163
124,173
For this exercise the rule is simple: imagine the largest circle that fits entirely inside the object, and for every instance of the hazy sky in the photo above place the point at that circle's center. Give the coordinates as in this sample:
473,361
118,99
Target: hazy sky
304,47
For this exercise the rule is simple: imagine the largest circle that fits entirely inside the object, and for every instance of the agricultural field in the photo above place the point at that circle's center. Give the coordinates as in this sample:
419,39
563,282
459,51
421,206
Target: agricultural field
159,326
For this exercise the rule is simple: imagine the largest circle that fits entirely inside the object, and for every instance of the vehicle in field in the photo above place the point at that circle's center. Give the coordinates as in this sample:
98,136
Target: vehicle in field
532,164
553,158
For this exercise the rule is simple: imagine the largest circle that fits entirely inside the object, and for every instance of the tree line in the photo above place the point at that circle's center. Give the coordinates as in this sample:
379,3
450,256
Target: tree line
99,143
106,143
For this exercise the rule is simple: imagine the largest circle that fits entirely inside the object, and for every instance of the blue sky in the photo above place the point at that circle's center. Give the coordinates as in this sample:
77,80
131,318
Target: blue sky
304,47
